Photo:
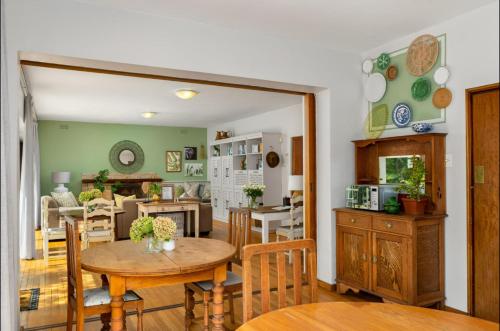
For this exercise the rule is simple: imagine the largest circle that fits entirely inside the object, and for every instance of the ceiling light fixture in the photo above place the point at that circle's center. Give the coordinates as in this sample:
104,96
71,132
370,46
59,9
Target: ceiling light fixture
186,94
148,114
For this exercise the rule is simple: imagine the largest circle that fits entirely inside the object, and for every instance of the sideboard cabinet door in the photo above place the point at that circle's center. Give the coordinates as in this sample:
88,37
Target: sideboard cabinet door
390,265
352,254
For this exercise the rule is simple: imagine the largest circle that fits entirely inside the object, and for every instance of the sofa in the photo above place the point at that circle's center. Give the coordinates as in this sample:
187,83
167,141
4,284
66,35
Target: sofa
123,221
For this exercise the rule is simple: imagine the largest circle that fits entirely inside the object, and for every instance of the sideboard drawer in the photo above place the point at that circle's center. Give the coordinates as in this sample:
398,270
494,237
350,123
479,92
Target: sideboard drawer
355,220
391,225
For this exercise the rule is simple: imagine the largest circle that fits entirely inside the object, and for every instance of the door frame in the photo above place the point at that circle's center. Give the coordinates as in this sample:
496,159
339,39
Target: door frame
309,118
470,208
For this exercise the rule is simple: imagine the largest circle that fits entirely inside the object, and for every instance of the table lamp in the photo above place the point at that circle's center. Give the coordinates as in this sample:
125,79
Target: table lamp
295,183
61,178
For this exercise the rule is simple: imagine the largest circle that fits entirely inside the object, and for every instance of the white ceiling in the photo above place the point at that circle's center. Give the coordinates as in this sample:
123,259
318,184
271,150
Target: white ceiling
343,24
68,95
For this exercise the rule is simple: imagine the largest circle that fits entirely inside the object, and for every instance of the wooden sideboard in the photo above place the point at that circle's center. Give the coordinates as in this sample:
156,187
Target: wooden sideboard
397,257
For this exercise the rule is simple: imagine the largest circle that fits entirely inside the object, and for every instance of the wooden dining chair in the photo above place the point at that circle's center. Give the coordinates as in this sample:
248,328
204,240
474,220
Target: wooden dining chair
98,224
239,235
93,301
278,248
50,231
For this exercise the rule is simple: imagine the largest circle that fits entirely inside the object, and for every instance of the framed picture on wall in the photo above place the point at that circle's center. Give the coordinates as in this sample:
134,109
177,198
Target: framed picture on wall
193,169
173,161
167,192
190,153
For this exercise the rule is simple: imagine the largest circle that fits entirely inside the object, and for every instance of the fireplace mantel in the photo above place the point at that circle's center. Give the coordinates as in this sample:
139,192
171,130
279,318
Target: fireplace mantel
132,184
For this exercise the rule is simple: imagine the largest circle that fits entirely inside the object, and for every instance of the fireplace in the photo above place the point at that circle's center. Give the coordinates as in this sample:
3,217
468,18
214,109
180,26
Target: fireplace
130,184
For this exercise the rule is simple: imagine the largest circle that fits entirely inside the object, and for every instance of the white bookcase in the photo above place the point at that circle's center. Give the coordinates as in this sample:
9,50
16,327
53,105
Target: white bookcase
240,160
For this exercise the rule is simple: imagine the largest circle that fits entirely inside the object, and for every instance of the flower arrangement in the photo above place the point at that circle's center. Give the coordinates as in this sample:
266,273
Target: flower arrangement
141,228
89,195
157,230
253,191
164,228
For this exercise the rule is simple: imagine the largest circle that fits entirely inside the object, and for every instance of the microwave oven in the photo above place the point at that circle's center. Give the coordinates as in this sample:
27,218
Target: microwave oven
370,197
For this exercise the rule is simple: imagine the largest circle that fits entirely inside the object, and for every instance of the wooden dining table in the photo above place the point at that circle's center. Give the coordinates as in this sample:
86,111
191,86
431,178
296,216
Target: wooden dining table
128,266
362,316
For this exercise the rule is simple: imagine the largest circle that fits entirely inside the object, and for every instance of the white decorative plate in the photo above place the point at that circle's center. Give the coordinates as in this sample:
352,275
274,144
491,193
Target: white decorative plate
375,87
441,75
367,66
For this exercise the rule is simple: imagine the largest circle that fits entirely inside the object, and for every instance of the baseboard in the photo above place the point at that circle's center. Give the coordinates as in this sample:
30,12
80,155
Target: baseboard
327,286
456,311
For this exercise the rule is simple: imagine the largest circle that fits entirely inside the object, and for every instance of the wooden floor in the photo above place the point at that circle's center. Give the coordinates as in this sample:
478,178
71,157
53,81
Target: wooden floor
164,305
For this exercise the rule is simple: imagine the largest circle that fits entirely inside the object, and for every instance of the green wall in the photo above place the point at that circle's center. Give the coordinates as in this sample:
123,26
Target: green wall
84,147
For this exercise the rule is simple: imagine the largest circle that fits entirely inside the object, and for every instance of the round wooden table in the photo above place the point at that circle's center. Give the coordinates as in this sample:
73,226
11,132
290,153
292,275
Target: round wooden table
128,266
362,316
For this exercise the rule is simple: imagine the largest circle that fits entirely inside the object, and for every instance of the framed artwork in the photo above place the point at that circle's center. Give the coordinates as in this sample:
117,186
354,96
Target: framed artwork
173,161
167,192
193,169
190,154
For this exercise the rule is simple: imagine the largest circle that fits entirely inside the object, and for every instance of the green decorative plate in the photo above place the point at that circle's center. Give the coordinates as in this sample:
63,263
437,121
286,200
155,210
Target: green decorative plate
126,157
421,89
383,61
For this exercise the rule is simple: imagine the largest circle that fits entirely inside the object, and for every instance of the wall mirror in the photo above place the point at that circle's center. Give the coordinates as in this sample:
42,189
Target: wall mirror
126,157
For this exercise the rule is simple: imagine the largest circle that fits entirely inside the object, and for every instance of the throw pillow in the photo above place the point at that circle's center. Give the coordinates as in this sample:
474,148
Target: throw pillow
65,199
120,198
206,193
191,189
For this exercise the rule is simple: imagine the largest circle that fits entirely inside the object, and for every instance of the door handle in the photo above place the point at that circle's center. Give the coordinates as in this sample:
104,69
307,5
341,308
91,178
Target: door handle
374,259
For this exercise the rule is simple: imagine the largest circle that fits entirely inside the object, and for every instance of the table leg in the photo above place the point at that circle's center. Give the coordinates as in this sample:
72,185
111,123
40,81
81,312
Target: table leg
218,298
197,221
265,231
116,292
106,317
188,214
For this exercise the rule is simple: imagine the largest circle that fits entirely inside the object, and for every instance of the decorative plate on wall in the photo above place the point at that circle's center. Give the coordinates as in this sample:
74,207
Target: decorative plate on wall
272,159
378,116
375,87
383,61
401,115
126,157
421,89
367,66
392,72
422,54
441,75
441,98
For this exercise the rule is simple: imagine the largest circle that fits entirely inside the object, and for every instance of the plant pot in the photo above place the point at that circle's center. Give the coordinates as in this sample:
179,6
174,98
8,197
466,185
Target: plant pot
169,245
414,207
155,197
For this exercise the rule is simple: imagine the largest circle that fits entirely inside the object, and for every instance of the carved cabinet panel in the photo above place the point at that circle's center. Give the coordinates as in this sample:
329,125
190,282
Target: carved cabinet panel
352,251
389,265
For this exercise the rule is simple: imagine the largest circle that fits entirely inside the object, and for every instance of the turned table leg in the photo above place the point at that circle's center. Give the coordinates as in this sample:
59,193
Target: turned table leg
218,307
116,291
189,306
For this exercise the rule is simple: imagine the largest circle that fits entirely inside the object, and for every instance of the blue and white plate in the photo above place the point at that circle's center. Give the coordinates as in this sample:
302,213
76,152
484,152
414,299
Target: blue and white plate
421,127
401,115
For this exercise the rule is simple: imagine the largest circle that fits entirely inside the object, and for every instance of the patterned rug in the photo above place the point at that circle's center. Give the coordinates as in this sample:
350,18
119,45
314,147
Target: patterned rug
29,299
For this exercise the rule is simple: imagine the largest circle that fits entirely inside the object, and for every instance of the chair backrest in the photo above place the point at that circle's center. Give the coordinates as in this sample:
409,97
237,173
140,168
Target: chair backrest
45,211
239,230
75,282
278,248
104,208
296,215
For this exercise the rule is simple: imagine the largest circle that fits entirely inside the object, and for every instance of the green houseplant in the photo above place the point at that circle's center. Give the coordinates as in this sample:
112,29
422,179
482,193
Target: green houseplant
100,179
413,185
154,191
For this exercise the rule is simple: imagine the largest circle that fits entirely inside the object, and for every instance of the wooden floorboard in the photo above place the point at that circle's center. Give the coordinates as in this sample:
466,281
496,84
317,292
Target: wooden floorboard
164,305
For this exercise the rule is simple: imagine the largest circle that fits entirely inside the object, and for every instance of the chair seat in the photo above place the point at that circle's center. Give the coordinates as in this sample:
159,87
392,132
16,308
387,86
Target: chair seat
232,279
100,296
56,230
285,231
99,233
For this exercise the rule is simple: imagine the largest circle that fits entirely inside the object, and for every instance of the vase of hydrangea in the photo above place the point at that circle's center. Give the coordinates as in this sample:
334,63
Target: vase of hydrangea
142,228
253,191
164,229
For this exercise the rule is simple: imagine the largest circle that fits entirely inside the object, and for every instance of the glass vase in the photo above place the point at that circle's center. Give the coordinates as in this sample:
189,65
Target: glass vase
153,245
252,203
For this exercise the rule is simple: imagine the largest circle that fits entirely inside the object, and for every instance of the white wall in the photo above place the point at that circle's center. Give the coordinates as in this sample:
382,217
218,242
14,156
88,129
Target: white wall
69,28
288,121
472,56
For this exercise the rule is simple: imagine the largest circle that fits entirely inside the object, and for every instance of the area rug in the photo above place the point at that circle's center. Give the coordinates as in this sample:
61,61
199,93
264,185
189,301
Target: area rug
29,299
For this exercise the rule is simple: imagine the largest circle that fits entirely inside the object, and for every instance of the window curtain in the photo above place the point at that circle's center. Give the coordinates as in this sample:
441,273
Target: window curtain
9,296
29,194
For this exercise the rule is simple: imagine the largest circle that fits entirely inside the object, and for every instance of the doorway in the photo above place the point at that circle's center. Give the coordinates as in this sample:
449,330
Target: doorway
483,123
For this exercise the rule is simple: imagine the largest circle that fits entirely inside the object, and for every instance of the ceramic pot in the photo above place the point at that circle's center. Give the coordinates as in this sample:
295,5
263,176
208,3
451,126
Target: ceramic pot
155,197
414,207
169,245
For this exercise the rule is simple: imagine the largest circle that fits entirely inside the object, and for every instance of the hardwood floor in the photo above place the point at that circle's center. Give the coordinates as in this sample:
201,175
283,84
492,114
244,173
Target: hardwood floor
164,306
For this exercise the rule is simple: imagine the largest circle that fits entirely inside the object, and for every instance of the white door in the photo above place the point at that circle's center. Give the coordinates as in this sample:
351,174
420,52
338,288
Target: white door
216,203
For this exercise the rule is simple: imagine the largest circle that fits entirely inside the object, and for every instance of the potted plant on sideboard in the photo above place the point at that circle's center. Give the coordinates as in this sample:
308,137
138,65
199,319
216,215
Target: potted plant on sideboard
413,185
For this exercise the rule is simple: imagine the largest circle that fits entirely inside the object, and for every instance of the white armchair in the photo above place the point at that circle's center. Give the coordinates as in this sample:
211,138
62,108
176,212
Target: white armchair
51,228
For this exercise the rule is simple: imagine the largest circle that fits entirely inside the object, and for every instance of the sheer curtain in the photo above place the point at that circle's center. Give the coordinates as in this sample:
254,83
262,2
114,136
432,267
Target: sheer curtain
9,296
29,184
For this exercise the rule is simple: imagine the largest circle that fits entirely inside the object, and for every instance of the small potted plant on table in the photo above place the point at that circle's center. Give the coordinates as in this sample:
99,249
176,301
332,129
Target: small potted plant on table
154,191
253,191
413,184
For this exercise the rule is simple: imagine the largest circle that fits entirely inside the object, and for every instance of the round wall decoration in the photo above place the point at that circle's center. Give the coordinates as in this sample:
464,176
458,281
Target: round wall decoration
383,61
422,54
367,66
272,159
441,75
421,89
375,87
441,98
401,115
126,157
392,72
377,116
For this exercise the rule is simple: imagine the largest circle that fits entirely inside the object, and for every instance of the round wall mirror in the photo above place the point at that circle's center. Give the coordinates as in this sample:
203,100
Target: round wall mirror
126,157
